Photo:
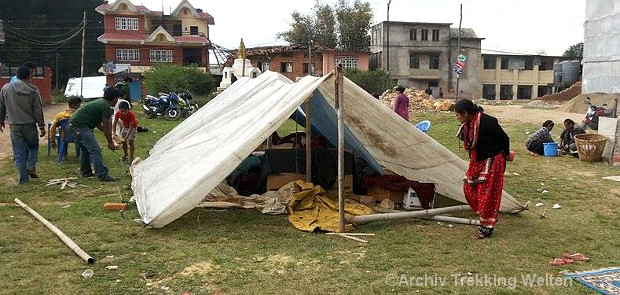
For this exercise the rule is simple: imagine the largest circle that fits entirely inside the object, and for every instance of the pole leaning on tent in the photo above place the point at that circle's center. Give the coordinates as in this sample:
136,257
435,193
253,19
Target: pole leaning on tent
308,140
340,112
403,215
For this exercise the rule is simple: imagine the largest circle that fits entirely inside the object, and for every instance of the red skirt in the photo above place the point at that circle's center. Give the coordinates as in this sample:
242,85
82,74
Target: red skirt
483,187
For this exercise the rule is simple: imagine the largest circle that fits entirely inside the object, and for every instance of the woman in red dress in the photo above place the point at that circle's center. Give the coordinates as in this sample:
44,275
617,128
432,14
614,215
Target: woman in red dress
488,147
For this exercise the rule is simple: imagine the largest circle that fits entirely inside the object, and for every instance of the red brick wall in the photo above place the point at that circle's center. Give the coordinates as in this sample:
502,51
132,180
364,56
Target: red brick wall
145,55
109,24
43,83
298,60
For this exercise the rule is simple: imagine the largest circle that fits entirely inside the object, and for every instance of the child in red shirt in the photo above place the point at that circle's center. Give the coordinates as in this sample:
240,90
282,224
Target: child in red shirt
128,130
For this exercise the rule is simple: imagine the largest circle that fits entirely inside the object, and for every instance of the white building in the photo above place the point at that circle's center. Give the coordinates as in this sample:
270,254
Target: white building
601,50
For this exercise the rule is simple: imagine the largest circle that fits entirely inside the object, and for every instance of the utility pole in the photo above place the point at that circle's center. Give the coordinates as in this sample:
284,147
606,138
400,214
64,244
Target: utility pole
82,68
387,52
458,51
56,70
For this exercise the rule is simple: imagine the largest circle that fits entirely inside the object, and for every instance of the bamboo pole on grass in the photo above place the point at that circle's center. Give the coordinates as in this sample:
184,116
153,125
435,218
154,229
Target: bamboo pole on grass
404,215
436,217
339,109
70,243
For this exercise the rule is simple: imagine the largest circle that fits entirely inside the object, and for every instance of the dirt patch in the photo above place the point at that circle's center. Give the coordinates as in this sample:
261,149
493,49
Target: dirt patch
532,116
49,112
577,105
200,269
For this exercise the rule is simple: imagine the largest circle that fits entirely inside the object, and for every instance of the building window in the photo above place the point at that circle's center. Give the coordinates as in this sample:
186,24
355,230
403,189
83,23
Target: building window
433,62
542,90
413,34
126,23
490,62
127,55
286,67
161,55
424,34
504,64
524,91
414,61
488,91
505,92
308,69
346,61
435,35
193,30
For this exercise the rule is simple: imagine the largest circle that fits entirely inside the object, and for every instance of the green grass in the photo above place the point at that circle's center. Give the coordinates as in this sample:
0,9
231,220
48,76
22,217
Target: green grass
245,252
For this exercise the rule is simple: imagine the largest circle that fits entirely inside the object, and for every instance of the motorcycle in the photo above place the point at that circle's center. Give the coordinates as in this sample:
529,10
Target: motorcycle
165,105
593,114
186,105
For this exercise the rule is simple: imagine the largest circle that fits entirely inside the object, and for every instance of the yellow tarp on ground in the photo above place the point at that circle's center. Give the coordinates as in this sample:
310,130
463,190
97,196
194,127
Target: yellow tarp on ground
310,209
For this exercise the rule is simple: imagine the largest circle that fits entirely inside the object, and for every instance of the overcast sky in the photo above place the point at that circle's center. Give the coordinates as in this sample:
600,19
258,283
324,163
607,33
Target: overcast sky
520,26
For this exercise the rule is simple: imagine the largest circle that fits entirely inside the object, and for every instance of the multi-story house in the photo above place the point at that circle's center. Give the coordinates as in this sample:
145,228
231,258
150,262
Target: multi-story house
1,33
423,55
135,38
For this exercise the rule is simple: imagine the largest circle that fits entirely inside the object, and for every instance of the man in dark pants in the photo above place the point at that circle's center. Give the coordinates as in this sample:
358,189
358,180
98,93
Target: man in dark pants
20,105
97,113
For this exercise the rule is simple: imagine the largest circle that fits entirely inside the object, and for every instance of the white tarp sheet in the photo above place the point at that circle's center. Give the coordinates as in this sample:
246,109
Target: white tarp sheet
193,158
93,87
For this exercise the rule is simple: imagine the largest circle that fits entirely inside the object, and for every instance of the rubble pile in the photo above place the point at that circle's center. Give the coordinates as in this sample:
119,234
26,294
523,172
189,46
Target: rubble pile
419,101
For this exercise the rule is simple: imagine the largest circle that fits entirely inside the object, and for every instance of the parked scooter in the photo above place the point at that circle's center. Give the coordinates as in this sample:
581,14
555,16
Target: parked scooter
593,114
186,105
164,105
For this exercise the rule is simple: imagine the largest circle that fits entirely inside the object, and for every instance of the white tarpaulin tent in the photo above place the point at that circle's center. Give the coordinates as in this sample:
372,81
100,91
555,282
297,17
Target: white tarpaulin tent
193,158
93,87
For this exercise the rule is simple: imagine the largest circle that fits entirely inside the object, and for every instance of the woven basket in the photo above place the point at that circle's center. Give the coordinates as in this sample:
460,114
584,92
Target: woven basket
590,147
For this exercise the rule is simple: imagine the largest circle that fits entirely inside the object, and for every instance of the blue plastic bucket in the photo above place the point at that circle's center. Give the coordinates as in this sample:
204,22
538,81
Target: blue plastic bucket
424,126
550,149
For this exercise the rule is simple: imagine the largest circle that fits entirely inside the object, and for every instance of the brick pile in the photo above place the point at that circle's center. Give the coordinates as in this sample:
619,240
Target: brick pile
419,101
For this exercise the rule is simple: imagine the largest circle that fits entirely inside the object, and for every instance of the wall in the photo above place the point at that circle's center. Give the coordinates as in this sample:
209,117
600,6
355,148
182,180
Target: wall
363,59
298,58
145,55
110,23
601,52
43,83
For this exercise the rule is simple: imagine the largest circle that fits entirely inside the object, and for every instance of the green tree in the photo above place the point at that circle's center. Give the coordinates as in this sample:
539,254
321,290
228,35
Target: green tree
300,32
354,25
325,26
169,77
574,51
344,26
374,82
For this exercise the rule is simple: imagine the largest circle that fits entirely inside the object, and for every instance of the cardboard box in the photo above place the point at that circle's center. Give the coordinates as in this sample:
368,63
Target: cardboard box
276,181
381,194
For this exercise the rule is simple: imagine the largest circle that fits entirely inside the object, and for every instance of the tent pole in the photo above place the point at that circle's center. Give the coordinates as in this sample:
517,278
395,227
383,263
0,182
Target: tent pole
403,215
339,110
308,140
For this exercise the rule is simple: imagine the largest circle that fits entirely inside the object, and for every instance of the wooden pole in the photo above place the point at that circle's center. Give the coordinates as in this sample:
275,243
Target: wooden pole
308,140
614,113
339,109
458,51
56,76
403,215
83,45
70,243
387,52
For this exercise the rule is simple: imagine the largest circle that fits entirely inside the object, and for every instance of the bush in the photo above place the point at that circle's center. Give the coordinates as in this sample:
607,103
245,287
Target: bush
167,78
374,82
58,96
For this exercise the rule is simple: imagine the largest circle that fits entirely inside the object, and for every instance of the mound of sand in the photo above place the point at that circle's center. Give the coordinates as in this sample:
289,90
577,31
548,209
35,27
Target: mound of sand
577,105
564,95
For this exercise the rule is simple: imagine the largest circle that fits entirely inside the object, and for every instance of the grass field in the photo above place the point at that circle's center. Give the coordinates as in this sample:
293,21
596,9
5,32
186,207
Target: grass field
245,252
